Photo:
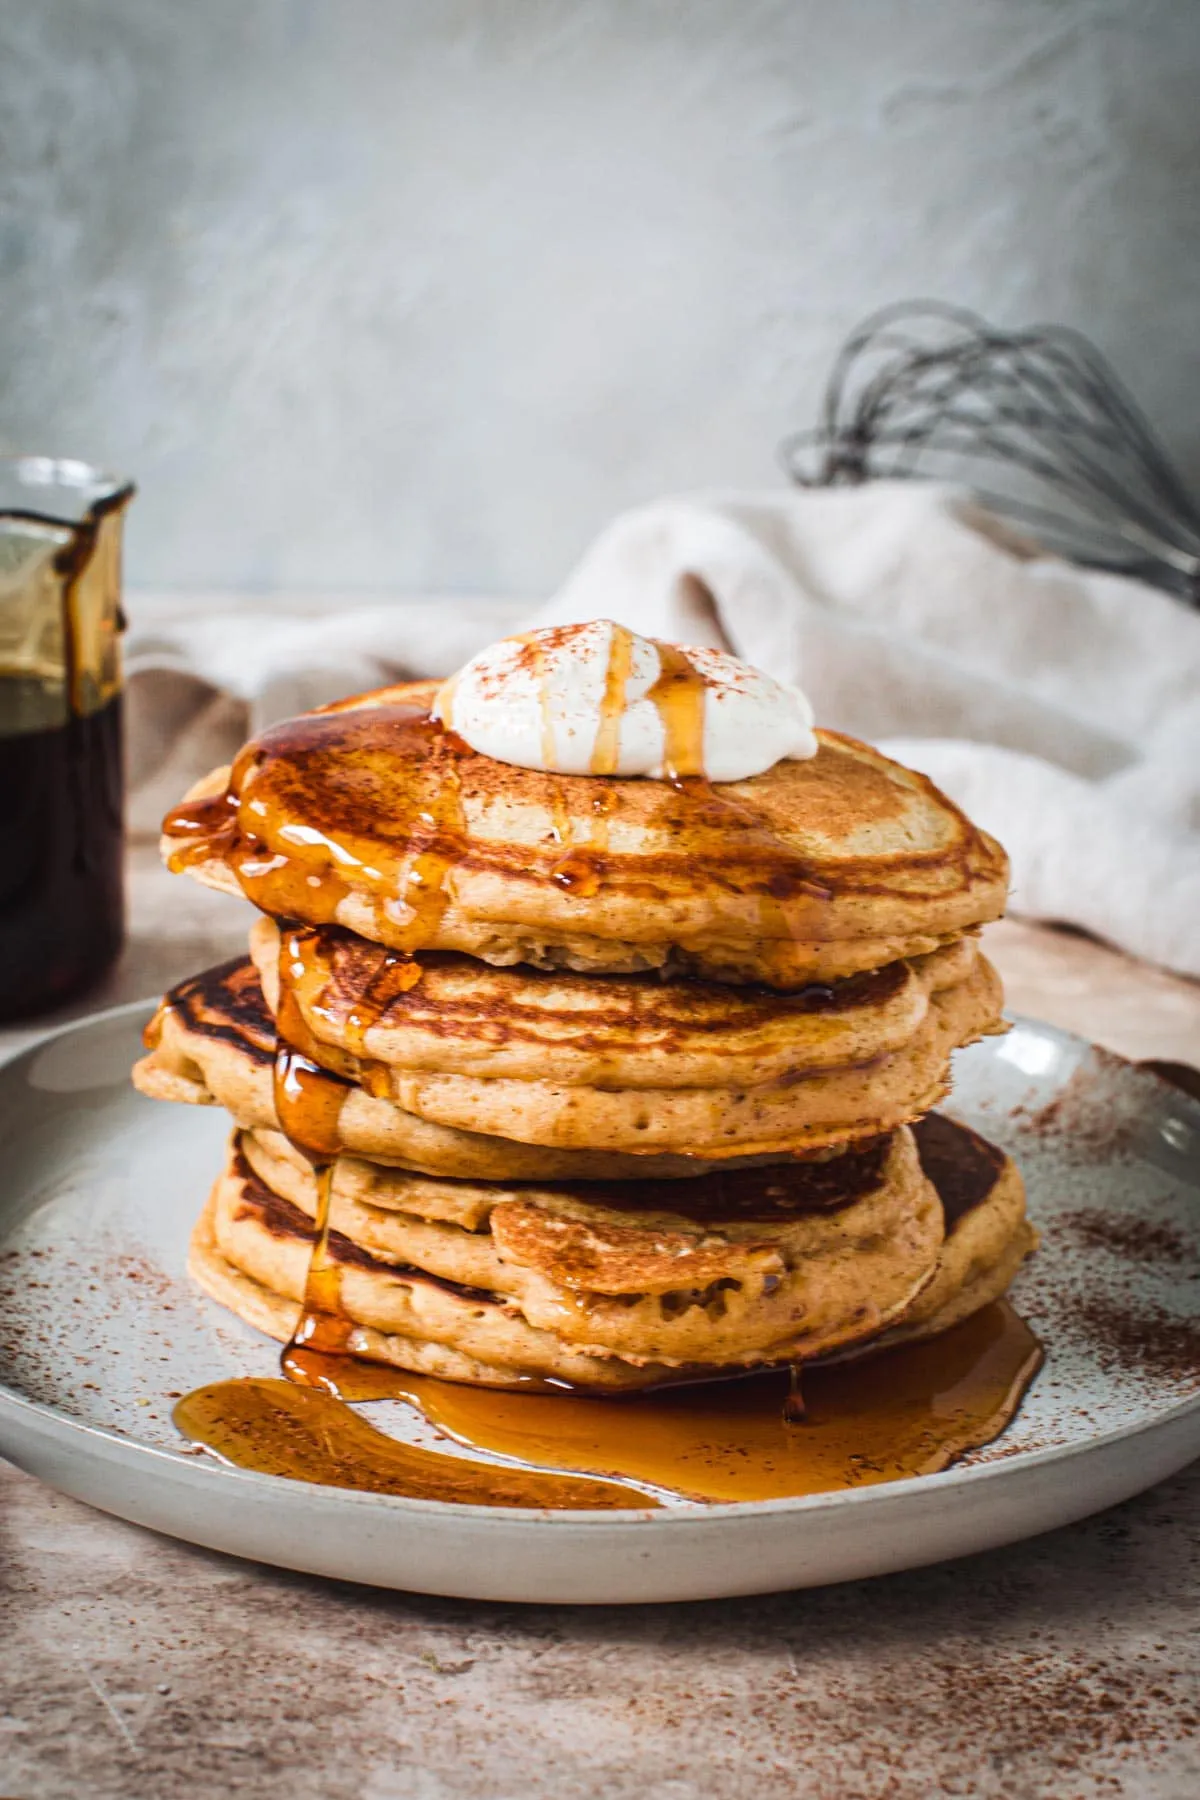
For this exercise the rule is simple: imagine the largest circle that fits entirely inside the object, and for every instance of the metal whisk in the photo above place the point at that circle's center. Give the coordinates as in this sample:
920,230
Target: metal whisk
1035,422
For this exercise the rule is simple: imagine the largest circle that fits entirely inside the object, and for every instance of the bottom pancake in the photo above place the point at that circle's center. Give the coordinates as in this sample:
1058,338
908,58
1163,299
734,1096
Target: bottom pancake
733,1268
988,1235
807,1285
546,1285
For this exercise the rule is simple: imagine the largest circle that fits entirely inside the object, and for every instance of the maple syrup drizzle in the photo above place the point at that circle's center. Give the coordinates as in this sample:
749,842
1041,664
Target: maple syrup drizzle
324,1331
532,642
794,1409
304,977
679,696
581,870
560,818
291,869
308,1106
304,1095
300,1432
607,750
911,1410
549,752
398,973
201,829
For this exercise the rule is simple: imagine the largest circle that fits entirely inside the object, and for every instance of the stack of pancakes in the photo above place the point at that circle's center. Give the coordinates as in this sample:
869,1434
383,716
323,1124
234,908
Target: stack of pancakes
586,1080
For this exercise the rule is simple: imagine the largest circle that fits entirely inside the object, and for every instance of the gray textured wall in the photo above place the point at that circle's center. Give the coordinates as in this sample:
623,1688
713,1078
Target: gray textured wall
395,295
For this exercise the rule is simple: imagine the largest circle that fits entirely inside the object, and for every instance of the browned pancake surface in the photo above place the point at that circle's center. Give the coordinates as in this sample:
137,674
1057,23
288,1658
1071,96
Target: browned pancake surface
371,815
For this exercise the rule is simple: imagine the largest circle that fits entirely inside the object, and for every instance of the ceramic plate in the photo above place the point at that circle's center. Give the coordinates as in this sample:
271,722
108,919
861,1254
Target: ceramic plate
102,1329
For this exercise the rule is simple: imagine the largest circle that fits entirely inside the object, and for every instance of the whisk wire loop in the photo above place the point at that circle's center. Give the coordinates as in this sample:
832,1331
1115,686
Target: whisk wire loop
1035,422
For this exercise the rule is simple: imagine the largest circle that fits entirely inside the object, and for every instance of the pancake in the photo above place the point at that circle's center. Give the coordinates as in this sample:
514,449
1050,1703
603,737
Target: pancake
579,1233
741,1198
382,1187
832,1257
764,1097
447,1014
619,1269
212,1042
370,815
987,1235
583,1226
805,1111
277,1315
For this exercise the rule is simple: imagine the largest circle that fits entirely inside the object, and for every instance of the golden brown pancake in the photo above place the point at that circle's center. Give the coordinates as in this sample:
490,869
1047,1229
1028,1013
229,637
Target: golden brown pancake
987,1235
371,816
553,1270
584,1226
212,1042
632,1063
832,1256
580,1233
801,1111
278,1313
452,1015
703,1269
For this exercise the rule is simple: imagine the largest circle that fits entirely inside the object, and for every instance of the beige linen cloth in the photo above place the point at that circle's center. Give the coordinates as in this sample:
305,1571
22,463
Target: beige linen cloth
1059,707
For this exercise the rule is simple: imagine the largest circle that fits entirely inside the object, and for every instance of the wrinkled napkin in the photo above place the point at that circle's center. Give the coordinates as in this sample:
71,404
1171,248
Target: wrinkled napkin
1060,707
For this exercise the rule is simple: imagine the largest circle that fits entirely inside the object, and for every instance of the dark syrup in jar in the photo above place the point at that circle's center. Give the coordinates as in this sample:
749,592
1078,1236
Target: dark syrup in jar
62,914
62,776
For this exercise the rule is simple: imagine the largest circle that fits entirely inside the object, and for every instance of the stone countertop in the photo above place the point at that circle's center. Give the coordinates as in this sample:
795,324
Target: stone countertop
136,1668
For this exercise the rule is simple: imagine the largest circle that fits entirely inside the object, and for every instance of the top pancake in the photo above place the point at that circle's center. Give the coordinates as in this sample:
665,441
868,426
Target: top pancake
370,815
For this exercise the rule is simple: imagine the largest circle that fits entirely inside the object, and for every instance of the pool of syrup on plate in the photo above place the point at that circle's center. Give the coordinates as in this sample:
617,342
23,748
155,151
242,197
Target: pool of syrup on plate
907,1411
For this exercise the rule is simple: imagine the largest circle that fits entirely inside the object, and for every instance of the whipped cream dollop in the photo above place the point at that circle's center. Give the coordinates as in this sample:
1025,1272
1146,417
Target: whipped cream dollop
598,699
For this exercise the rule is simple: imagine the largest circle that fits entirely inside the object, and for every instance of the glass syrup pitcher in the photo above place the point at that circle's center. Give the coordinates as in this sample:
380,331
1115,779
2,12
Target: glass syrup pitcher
62,906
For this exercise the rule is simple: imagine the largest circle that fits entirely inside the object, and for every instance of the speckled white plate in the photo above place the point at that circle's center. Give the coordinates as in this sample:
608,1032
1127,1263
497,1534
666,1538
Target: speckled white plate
102,1329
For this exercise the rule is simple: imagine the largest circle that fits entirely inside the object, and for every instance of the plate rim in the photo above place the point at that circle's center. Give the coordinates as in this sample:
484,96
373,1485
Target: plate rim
34,1416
